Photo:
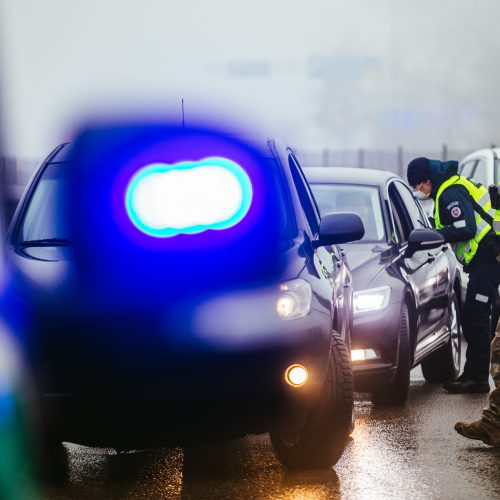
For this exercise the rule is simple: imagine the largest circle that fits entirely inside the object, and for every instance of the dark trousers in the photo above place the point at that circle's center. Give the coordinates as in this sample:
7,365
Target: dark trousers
484,278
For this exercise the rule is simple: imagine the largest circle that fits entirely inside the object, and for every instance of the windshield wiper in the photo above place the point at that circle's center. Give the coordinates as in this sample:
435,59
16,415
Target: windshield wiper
46,242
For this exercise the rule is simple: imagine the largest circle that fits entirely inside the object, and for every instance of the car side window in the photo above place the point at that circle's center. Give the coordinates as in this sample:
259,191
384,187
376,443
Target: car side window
402,220
467,168
398,229
306,198
411,206
480,173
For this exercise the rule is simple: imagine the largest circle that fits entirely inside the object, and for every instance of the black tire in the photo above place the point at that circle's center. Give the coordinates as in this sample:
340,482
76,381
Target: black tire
349,352
53,463
444,364
321,441
396,393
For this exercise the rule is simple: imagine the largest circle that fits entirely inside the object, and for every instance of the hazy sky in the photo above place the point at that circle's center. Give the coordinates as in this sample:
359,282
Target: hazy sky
321,73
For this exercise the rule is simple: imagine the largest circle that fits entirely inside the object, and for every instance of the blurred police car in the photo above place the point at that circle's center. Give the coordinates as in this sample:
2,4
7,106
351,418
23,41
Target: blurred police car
185,289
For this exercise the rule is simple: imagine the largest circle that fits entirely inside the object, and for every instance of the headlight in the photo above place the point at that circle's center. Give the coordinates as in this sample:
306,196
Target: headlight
294,300
372,299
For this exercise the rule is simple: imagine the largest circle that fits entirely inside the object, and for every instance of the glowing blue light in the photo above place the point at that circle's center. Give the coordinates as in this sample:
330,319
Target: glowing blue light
188,197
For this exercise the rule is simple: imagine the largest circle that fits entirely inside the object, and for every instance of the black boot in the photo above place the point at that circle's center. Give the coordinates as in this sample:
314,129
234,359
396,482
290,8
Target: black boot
465,385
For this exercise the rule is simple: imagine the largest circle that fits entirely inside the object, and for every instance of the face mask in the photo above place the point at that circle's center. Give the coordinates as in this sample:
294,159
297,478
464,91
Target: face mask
420,196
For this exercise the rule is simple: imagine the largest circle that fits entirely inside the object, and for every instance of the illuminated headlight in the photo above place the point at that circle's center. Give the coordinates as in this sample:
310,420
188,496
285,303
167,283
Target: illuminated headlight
373,299
294,300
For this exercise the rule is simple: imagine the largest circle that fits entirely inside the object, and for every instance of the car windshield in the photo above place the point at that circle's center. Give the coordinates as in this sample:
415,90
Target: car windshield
362,200
46,219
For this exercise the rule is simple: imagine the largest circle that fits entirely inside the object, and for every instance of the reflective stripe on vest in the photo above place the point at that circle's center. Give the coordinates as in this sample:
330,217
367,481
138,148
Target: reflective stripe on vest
466,250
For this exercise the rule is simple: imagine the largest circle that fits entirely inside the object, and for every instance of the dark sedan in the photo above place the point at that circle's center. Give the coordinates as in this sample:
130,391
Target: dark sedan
179,301
407,290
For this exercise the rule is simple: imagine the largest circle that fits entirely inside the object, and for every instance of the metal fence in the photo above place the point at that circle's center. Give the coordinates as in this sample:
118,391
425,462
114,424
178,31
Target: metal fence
14,175
15,172
393,160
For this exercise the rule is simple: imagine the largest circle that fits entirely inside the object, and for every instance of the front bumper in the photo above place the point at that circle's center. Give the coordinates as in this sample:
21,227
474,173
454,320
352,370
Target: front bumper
165,394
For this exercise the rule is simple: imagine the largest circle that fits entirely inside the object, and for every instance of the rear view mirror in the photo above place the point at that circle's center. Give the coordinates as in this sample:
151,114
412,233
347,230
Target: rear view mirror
423,239
336,228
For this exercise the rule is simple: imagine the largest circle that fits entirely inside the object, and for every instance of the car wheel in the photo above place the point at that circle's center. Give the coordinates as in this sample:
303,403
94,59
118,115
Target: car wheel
396,393
444,364
321,441
53,463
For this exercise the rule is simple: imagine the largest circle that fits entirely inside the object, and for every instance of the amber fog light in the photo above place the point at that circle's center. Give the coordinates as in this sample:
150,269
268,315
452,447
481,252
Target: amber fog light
296,375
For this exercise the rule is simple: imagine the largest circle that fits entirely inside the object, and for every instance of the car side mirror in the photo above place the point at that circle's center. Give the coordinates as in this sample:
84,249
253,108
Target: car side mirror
423,239
341,227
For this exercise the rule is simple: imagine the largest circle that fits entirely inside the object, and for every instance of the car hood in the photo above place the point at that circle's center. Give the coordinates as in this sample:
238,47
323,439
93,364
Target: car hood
41,270
47,280
51,270
367,261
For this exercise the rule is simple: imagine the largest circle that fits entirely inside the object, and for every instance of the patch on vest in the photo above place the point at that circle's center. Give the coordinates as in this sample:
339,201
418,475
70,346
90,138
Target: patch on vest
456,212
481,298
452,204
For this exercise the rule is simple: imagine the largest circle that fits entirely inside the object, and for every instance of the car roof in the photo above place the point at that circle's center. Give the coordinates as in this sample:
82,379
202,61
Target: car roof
481,152
64,152
61,153
350,175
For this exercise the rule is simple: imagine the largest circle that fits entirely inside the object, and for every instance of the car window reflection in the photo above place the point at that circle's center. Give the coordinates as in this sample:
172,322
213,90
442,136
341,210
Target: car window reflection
361,200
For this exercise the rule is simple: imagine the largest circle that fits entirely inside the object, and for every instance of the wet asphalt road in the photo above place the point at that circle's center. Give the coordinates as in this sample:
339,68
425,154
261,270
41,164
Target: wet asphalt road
412,452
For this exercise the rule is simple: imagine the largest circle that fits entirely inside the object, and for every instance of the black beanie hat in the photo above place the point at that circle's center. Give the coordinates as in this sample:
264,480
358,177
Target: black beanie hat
418,171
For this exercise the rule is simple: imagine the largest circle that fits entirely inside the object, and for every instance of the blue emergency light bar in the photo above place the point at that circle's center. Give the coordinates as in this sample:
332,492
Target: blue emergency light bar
188,197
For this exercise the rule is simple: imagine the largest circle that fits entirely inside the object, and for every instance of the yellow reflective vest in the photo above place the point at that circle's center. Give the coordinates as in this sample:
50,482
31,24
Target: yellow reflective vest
465,250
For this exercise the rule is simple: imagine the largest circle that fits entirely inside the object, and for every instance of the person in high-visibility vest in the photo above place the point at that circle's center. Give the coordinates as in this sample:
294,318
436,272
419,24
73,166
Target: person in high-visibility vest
464,216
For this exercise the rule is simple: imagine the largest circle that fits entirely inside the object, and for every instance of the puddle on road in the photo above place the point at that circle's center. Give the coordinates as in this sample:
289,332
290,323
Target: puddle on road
411,452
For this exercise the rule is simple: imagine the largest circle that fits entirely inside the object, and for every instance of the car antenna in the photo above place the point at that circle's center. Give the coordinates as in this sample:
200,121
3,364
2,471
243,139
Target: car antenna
182,106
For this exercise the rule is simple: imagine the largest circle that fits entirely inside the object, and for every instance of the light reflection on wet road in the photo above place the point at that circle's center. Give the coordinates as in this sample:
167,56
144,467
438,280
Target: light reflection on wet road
411,452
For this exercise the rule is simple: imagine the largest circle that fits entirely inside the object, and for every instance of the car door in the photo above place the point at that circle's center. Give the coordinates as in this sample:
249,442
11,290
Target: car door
483,171
427,270
496,168
328,260
480,168
467,168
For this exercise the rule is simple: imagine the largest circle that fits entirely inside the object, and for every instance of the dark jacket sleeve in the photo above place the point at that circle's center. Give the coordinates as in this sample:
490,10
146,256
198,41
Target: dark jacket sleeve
457,214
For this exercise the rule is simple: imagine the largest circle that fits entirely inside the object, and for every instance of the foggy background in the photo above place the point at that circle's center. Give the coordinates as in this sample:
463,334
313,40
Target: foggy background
320,74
